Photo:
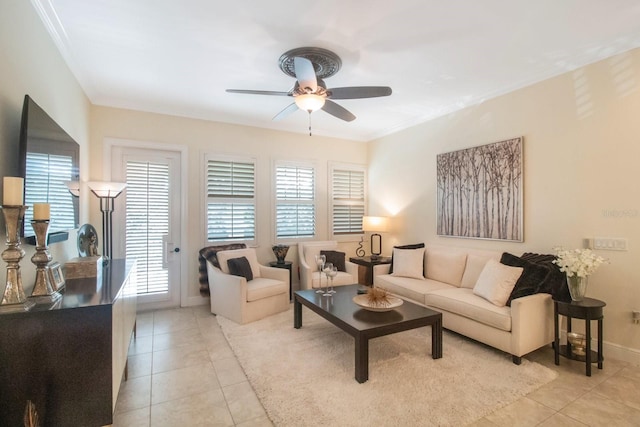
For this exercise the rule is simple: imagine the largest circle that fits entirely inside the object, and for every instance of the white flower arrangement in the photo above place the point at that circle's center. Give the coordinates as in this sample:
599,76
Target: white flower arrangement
577,262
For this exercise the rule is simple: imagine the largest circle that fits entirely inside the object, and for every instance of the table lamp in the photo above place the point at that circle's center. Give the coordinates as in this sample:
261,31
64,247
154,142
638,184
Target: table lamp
376,225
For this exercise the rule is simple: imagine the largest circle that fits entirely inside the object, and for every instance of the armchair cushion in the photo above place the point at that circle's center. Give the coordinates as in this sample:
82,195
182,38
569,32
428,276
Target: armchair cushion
336,258
240,267
262,287
249,253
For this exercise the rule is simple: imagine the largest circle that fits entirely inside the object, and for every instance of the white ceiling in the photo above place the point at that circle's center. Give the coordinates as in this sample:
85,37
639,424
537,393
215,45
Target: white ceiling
178,57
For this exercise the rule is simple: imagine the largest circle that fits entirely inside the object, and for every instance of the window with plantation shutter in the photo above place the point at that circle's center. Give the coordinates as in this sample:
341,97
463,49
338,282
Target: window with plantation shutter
347,199
45,183
231,199
147,222
295,201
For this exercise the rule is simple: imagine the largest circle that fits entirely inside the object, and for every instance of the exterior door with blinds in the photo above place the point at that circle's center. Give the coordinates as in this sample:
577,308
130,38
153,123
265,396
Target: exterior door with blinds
150,223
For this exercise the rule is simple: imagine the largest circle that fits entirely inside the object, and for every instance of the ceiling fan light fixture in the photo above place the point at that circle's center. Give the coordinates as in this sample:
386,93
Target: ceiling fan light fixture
309,102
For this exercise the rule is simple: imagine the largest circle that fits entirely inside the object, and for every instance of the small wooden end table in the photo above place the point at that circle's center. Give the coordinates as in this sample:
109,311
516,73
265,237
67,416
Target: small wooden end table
588,309
368,262
287,265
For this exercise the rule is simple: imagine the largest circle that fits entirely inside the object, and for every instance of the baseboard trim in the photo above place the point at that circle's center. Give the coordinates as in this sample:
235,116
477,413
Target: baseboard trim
618,352
195,301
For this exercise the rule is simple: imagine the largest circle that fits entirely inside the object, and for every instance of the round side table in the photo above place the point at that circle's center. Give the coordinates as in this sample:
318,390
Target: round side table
588,309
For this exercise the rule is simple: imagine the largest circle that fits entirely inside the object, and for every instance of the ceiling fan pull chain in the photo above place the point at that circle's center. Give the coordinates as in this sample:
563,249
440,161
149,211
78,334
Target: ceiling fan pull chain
309,122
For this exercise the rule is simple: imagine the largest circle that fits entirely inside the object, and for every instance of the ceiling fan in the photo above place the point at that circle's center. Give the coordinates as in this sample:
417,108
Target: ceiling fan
309,66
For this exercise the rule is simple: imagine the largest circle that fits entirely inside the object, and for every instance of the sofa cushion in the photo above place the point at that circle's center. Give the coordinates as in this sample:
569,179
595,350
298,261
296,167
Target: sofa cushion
496,282
445,265
410,246
249,253
408,263
264,288
530,281
336,258
413,289
240,267
465,303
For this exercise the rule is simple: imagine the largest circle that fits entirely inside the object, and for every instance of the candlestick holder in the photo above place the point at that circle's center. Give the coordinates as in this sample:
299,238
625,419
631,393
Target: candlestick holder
14,298
43,290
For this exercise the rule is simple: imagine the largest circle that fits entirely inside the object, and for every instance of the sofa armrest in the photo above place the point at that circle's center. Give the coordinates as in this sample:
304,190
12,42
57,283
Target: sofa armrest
531,323
351,268
381,269
275,273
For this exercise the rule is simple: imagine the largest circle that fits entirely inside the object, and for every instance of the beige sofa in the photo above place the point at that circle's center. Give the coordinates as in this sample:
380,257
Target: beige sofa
450,276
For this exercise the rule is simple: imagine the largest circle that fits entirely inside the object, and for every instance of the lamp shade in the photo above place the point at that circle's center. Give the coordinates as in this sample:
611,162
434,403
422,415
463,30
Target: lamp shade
107,189
309,102
378,224
74,187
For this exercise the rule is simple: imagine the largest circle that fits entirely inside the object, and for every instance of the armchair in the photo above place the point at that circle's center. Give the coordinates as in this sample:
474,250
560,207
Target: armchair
309,276
242,300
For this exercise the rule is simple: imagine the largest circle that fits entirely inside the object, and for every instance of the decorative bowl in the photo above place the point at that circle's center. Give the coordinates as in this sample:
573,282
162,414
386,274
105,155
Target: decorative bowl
362,301
578,343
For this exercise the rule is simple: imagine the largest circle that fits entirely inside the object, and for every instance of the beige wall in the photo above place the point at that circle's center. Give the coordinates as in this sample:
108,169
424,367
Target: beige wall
202,136
31,64
581,174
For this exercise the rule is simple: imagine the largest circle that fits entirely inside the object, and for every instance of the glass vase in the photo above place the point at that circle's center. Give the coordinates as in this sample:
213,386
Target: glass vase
577,287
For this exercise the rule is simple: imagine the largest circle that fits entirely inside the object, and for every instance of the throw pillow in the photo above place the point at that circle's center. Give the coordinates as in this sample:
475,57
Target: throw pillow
409,263
531,279
240,267
249,253
412,246
496,282
336,258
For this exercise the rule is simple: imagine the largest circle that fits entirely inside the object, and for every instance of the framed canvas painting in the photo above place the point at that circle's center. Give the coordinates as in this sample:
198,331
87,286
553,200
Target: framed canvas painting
480,192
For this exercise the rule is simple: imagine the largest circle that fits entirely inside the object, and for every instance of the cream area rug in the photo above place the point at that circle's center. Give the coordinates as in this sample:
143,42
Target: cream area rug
305,377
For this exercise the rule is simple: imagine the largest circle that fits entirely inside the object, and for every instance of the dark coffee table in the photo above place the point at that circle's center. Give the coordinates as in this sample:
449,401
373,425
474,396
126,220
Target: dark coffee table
363,324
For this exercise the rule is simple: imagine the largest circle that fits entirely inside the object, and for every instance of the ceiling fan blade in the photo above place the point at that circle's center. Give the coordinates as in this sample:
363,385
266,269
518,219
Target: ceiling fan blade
338,111
356,92
259,92
305,73
284,113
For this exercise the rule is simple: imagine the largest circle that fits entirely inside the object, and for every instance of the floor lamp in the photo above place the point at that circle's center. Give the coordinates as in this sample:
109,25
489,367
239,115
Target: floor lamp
107,193
375,224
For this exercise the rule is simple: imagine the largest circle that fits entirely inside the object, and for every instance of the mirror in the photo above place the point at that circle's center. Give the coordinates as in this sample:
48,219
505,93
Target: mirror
49,158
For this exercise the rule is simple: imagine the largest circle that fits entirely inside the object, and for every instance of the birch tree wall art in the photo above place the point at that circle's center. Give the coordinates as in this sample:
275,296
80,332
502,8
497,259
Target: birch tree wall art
480,192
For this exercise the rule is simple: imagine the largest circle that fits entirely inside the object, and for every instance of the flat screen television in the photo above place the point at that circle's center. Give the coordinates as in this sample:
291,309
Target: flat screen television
49,158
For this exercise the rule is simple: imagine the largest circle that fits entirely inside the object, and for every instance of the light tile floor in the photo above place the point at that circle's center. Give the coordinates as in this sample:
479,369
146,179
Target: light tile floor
182,372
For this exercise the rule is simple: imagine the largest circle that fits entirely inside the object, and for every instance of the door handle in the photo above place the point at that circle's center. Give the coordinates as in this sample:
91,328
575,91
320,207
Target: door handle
176,250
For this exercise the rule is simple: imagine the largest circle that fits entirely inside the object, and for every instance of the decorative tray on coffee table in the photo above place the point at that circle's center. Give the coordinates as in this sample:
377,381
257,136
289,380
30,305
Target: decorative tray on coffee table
363,301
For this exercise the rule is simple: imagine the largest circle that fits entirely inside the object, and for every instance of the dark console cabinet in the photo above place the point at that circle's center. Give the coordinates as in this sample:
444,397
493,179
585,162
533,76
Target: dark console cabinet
69,359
